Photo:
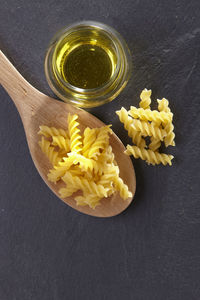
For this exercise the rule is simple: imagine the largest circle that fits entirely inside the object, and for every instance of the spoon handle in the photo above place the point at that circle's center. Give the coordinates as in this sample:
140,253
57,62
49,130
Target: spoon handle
13,82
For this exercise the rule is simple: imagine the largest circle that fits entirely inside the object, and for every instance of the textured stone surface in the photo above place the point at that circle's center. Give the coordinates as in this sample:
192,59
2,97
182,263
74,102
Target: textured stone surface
152,250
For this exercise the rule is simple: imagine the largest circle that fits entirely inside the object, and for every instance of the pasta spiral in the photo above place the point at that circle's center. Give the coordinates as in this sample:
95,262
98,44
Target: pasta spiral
122,188
169,139
85,185
67,191
58,171
150,156
155,144
75,137
128,121
89,137
163,105
85,164
111,178
61,142
149,129
100,143
49,151
52,131
88,199
107,156
110,173
145,99
152,129
150,115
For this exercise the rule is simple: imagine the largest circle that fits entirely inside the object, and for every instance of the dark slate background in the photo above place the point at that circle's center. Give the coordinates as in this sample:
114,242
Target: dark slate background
48,251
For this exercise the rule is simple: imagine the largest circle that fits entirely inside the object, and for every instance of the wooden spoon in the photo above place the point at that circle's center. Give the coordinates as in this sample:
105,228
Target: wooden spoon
35,109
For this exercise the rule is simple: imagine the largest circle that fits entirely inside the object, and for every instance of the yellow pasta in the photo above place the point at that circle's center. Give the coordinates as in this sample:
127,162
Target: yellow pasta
55,175
52,131
128,122
61,142
110,172
89,137
67,191
91,200
143,122
49,151
76,171
83,163
107,156
155,143
163,105
81,183
145,99
111,180
74,133
150,156
150,115
100,143
149,129
122,188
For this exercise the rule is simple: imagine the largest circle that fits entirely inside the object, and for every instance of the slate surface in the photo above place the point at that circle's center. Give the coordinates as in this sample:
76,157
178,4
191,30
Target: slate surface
152,250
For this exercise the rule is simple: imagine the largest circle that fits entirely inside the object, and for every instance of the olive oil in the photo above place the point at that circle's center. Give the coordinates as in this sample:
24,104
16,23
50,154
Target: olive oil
87,64
87,60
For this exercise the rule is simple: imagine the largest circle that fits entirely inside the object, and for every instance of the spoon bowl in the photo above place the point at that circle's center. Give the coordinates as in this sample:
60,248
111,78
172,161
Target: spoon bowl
35,109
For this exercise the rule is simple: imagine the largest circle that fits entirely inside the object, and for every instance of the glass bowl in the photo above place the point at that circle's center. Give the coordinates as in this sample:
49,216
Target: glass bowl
97,35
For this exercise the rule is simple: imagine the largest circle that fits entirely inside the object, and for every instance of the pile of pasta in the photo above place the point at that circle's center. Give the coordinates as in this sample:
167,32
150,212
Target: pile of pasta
143,122
84,162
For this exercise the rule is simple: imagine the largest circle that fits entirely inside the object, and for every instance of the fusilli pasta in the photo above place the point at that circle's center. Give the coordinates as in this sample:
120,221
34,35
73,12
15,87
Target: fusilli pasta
89,137
91,200
145,99
74,133
84,164
143,122
163,105
150,115
89,187
149,129
52,131
49,151
128,122
61,142
100,143
154,144
150,156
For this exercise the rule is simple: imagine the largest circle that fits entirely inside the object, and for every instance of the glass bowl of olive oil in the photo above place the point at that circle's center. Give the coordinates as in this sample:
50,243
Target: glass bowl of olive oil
87,64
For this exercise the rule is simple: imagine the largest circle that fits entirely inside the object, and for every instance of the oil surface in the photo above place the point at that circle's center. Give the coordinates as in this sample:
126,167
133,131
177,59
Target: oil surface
87,66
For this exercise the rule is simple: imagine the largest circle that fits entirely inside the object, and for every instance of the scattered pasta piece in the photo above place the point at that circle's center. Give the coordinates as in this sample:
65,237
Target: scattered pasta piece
163,105
150,115
143,122
151,157
155,144
149,129
145,99
83,162
128,122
